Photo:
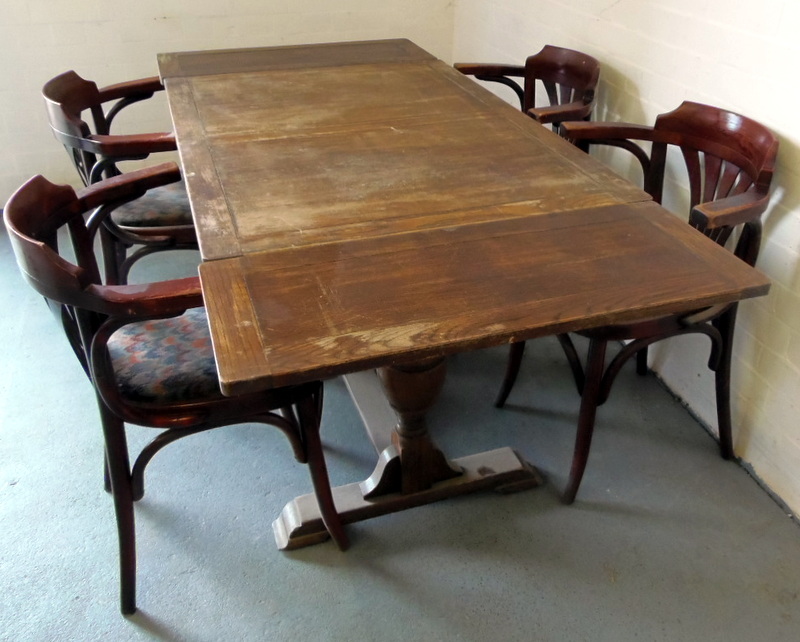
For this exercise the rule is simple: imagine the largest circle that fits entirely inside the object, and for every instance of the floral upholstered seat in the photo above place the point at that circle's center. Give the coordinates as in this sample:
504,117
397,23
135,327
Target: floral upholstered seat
165,360
165,206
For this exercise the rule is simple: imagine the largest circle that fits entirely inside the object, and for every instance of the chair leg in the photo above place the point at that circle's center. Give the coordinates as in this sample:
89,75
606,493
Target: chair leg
111,256
573,359
309,415
722,380
641,361
594,374
515,353
106,475
118,465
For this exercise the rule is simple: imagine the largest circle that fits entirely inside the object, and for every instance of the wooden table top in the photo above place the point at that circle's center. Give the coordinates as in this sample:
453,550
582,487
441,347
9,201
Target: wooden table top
305,146
364,204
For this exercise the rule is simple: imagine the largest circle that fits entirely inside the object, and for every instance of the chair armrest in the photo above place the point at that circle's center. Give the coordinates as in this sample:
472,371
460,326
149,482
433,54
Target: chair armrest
489,69
128,186
115,146
607,131
152,300
501,74
730,211
621,135
143,88
128,93
558,113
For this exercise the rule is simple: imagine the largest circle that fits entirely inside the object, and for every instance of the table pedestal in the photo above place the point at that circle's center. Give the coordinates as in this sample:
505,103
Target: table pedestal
411,470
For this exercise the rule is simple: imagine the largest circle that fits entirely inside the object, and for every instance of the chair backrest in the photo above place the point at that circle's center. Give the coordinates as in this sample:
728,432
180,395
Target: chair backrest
66,98
72,285
36,213
567,76
33,217
725,153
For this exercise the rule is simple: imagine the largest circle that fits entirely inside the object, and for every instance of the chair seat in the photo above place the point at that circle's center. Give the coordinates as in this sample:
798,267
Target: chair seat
164,206
165,360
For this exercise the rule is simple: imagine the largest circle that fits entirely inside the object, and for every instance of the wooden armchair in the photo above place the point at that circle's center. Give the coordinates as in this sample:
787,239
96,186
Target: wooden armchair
729,160
162,218
145,348
569,79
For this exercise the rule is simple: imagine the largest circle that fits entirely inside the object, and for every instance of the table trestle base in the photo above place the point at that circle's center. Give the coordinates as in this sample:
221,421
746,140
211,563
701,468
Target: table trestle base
502,470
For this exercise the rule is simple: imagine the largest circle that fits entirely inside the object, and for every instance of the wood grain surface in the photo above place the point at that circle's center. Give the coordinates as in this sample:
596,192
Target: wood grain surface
288,157
362,205
330,309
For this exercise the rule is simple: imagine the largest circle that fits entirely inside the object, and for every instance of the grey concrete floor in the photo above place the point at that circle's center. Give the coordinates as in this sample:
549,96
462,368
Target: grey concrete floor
666,541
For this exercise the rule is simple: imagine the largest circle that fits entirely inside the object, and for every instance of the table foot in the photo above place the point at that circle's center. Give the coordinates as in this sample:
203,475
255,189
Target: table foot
300,523
392,469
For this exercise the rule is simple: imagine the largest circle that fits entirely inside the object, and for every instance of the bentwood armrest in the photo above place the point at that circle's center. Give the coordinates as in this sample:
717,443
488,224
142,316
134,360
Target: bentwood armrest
558,113
129,185
117,146
141,89
607,131
498,73
128,93
162,298
489,69
730,211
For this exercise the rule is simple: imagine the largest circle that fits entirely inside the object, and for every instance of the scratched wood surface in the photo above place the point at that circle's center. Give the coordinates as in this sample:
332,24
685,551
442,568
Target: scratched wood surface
335,308
359,210
280,156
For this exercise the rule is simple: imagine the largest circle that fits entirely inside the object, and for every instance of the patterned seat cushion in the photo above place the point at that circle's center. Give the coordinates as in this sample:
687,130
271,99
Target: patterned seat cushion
165,360
165,205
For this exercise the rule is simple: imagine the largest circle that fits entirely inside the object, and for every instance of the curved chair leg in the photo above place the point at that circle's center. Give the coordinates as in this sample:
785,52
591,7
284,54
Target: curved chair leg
119,475
106,475
149,451
641,361
309,414
516,350
583,440
722,380
573,359
111,256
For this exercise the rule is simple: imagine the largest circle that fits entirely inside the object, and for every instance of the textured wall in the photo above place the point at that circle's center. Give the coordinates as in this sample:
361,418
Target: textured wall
113,41
741,56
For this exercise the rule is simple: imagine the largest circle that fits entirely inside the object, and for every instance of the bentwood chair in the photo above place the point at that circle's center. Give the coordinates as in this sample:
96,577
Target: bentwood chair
729,160
160,220
145,348
569,79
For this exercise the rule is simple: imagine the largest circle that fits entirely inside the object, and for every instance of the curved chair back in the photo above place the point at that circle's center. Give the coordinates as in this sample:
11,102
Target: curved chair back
567,76
725,153
39,209
729,158
67,97
569,79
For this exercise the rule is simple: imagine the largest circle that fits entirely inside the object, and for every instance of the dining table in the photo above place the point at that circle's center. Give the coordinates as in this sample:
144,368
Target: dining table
365,210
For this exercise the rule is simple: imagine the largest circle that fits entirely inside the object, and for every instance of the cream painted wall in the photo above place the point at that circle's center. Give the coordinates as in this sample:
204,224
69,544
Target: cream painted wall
113,41
741,56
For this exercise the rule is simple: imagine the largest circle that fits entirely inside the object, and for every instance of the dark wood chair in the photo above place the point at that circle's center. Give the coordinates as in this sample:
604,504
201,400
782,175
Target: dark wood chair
729,159
160,220
569,79
145,348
